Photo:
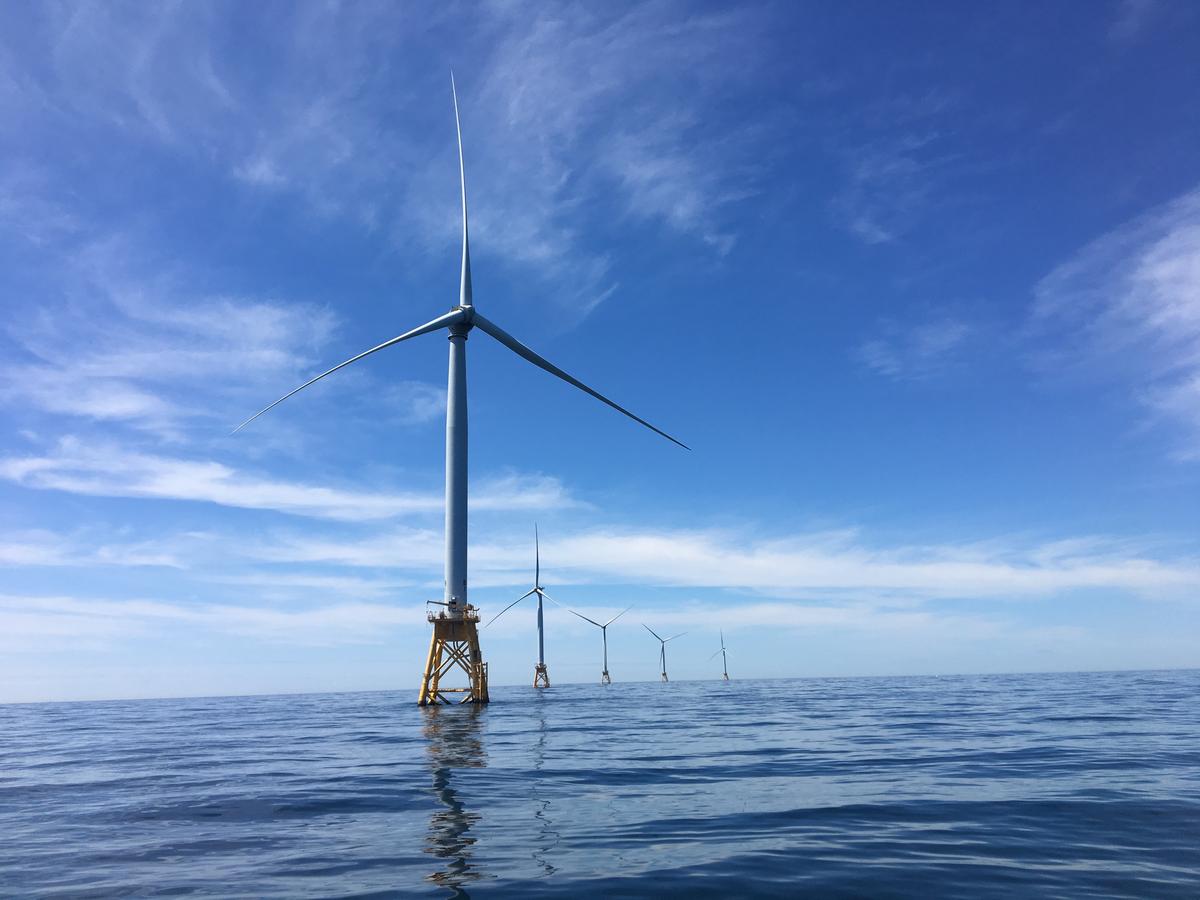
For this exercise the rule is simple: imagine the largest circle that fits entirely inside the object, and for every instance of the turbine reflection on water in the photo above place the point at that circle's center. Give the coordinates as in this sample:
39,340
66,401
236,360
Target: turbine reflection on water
453,739
547,837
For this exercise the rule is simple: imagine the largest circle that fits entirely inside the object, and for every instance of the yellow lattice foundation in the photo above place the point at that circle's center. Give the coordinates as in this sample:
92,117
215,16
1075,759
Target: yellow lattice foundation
454,645
541,677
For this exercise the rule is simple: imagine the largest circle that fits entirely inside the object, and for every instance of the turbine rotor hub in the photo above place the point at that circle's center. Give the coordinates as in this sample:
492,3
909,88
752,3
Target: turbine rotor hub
465,323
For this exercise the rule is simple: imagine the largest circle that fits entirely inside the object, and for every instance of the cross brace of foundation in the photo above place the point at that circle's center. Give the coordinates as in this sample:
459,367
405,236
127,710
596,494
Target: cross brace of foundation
454,645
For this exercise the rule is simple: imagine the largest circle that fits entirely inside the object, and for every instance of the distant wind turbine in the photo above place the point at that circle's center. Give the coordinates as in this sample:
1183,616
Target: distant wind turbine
541,677
724,661
459,321
604,677
663,648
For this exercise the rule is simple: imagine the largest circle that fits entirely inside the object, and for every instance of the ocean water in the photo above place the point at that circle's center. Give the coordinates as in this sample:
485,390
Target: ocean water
991,786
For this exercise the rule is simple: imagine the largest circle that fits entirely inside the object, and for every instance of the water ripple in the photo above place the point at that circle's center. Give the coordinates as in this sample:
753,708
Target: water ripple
996,786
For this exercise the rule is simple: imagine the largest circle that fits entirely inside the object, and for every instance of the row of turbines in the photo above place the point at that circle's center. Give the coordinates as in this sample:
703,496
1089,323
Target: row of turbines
454,642
541,675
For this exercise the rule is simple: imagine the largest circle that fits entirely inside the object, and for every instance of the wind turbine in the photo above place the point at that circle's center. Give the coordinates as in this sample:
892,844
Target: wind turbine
455,630
604,677
663,648
541,677
724,661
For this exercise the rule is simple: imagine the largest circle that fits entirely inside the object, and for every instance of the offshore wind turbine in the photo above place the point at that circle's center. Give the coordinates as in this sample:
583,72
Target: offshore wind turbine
663,648
724,661
604,676
454,629
541,677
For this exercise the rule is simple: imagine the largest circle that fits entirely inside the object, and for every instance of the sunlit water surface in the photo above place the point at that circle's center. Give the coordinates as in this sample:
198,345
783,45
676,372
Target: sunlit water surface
999,786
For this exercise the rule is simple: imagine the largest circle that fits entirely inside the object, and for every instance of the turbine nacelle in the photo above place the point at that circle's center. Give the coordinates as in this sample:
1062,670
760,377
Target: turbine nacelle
465,321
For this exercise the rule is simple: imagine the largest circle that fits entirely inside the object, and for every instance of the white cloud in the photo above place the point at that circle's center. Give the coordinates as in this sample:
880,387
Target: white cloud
838,565
27,209
839,562
117,337
1131,19
563,108
415,402
563,78
26,622
1127,308
914,352
110,470
46,548
888,188
272,585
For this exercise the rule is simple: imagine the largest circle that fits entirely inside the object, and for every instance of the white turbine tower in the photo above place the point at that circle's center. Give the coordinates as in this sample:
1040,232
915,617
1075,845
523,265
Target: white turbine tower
604,676
663,648
541,676
724,660
455,629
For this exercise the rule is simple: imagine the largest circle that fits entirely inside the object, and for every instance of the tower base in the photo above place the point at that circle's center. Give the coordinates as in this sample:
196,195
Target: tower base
604,679
455,645
726,676
541,677
664,677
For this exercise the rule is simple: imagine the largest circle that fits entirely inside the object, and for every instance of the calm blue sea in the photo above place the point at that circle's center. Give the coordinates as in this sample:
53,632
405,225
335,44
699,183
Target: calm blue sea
998,786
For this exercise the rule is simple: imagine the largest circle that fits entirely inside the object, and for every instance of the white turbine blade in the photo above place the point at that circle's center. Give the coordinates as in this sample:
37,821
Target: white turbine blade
651,630
537,559
510,606
617,616
440,322
715,655
681,634
551,599
521,350
582,616
464,293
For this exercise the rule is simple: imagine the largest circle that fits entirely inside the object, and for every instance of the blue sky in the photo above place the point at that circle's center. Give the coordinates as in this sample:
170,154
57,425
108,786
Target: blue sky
920,286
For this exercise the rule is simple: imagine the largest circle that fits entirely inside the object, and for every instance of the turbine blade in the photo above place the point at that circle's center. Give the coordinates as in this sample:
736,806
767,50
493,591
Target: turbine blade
521,350
507,608
715,655
672,637
582,616
537,559
464,291
440,322
551,599
617,616
651,630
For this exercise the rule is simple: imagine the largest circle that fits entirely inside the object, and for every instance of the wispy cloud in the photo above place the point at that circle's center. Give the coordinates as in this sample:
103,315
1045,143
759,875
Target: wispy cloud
1126,308
111,470
841,562
886,189
1131,18
28,210
117,337
539,104
914,352
415,402
807,566
29,623
558,77
838,567
47,548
